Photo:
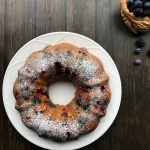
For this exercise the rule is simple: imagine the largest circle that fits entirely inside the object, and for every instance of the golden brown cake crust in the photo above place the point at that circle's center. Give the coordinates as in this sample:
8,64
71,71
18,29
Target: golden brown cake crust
83,113
135,24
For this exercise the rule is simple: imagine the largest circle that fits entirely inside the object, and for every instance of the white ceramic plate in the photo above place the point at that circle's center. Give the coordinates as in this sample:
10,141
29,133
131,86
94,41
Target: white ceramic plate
39,43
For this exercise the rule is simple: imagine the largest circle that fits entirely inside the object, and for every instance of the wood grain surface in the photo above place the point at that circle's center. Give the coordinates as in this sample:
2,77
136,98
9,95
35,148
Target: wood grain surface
100,20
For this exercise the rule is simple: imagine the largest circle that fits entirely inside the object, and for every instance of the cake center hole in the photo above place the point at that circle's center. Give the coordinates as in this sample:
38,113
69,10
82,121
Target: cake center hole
61,91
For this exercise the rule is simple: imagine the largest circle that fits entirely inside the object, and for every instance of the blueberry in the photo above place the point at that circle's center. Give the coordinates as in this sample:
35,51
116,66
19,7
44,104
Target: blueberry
131,8
85,106
82,121
26,91
147,5
97,101
58,67
102,88
140,43
138,11
32,79
20,79
28,117
46,54
26,88
78,101
28,71
38,112
130,3
64,124
69,52
36,101
74,74
146,12
68,134
58,138
67,71
39,91
138,4
51,106
25,98
137,62
138,50
64,114
46,94
88,87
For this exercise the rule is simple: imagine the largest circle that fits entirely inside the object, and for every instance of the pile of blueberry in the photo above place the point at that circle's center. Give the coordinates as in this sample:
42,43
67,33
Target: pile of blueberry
140,43
139,7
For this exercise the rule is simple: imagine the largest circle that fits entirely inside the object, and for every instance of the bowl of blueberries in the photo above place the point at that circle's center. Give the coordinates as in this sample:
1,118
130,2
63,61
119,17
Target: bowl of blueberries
139,7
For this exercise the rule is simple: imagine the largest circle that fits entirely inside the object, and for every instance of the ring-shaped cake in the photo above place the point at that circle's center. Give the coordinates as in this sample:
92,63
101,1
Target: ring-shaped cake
62,122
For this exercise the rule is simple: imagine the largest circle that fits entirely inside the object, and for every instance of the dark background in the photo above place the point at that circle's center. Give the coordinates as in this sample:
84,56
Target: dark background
100,20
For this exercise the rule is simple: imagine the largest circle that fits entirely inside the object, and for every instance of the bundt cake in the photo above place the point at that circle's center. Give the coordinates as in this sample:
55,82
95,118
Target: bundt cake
62,122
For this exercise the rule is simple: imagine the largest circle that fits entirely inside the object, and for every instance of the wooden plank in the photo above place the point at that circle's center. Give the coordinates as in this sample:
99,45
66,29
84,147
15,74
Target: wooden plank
19,29
2,34
50,16
22,23
129,129
80,17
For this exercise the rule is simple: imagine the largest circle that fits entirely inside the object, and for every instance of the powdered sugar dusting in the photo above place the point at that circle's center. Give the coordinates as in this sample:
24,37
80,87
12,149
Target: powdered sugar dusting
44,126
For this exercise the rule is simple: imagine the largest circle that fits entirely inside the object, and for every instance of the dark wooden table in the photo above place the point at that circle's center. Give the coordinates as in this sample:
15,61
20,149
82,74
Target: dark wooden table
100,20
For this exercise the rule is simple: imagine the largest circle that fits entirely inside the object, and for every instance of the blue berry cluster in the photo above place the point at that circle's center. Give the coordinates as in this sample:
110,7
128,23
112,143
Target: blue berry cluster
139,7
140,43
137,62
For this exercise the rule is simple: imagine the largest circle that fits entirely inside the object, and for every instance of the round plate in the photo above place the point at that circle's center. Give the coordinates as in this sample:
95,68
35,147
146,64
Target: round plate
39,43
